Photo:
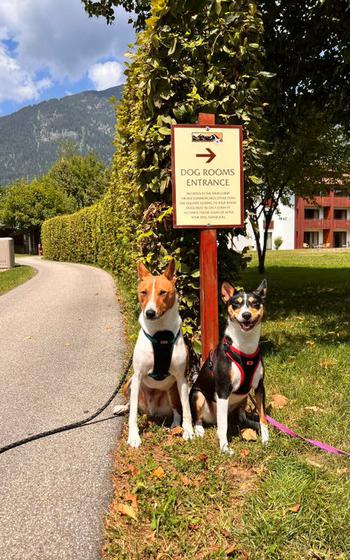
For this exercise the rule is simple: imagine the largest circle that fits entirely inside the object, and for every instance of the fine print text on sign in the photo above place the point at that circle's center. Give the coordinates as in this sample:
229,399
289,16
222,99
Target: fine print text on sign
207,176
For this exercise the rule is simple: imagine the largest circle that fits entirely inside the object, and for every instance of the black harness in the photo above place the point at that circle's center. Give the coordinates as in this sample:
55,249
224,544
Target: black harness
163,345
246,363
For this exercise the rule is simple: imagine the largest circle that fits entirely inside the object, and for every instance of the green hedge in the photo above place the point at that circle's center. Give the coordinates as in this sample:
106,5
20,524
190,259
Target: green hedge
193,57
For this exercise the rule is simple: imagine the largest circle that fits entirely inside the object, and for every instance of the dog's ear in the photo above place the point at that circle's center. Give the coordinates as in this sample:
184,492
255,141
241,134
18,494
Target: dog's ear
142,271
170,271
227,291
261,291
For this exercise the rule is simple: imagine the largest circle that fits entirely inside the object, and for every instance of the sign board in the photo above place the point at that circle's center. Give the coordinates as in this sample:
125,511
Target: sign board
207,169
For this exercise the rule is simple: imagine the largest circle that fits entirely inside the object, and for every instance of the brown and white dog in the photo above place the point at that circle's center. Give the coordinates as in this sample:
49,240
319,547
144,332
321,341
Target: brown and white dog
158,386
234,367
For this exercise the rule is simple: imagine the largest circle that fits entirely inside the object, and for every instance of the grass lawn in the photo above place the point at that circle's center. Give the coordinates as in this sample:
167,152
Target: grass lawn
185,500
12,278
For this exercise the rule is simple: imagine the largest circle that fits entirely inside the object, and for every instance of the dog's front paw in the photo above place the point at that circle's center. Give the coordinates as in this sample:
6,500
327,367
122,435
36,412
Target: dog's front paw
264,433
188,433
120,409
199,430
134,440
226,449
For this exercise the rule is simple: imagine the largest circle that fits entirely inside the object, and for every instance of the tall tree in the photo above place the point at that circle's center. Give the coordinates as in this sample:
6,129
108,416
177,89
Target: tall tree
83,178
308,162
106,8
25,206
307,51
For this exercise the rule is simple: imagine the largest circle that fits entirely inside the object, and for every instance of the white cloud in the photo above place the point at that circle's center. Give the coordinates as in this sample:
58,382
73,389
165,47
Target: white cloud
58,39
61,37
106,74
15,83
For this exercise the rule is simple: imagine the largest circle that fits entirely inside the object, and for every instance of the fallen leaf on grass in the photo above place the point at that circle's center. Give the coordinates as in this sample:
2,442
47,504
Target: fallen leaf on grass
132,470
159,472
342,471
133,499
326,363
185,480
295,508
314,463
202,457
249,435
225,533
244,453
231,550
125,509
314,408
278,401
177,431
310,343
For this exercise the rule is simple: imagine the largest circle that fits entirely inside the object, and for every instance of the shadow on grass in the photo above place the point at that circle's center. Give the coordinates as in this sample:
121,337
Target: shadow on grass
317,297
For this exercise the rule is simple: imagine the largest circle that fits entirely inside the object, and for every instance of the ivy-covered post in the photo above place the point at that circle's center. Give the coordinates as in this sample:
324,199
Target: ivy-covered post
208,266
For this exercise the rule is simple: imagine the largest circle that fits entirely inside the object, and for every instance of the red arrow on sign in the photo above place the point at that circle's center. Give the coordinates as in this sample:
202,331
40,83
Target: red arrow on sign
210,155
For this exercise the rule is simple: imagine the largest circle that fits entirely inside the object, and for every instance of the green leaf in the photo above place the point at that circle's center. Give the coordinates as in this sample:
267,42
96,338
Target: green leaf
173,47
256,180
218,7
165,131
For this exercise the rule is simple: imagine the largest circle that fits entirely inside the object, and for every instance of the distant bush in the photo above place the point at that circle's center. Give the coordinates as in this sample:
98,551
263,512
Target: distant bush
278,242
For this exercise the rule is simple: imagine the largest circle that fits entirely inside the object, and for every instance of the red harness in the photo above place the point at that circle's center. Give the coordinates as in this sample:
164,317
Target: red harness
246,363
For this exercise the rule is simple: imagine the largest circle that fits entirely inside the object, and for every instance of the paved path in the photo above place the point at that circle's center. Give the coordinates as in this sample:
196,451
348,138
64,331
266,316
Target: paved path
61,344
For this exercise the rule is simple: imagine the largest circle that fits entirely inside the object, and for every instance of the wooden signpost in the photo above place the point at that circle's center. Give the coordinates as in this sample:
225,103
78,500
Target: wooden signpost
207,178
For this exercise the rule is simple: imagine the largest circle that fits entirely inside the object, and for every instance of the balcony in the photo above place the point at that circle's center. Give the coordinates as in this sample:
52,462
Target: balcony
317,224
341,201
323,201
343,225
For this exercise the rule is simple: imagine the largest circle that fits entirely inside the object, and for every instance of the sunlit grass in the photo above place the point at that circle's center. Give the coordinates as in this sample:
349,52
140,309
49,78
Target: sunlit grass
284,501
13,277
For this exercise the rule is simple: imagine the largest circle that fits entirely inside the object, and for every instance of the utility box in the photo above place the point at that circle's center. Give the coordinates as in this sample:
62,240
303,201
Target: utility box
7,252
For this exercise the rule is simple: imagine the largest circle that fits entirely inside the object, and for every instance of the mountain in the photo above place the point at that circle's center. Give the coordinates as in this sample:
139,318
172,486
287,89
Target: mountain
30,139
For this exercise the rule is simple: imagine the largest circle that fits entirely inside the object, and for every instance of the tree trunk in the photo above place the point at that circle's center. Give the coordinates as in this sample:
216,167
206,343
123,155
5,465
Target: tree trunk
259,249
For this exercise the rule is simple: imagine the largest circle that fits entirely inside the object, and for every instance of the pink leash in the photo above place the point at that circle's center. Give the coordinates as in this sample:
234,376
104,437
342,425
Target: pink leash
315,443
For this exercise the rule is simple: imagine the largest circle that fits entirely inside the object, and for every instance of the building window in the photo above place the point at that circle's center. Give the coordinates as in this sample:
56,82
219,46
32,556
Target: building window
269,240
339,239
311,238
342,192
311,214
339,214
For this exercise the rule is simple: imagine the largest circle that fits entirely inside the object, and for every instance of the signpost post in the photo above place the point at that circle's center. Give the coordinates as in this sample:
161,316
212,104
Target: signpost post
207,170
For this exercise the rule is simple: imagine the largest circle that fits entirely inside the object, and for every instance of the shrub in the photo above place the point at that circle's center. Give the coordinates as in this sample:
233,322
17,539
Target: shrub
278,242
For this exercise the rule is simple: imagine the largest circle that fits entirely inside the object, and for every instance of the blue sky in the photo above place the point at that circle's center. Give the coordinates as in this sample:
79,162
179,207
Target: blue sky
51,48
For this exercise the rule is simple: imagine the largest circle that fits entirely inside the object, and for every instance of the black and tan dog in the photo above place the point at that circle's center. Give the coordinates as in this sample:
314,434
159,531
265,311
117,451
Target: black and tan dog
234,367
